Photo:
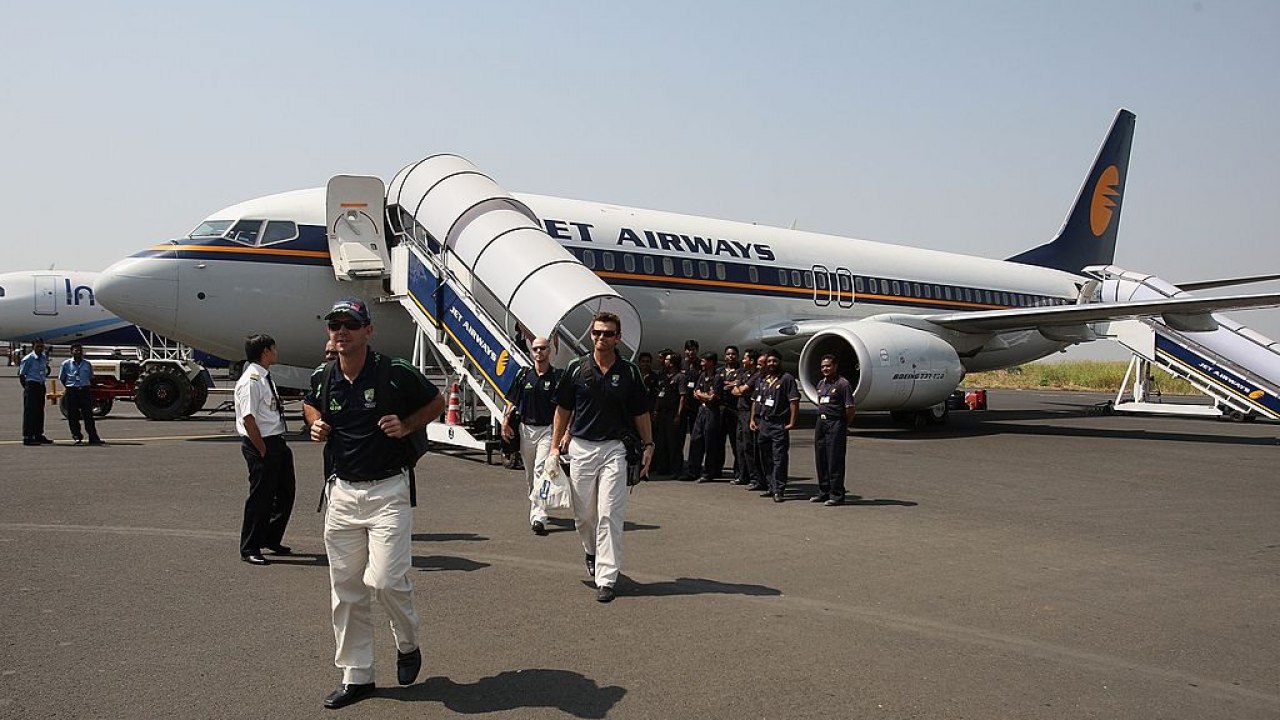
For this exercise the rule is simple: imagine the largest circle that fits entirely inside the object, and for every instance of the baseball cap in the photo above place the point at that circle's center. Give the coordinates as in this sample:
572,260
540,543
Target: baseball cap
350,306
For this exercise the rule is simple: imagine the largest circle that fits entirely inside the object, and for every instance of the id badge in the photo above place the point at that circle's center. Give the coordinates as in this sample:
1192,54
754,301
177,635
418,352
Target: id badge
662,393
768,402
824,399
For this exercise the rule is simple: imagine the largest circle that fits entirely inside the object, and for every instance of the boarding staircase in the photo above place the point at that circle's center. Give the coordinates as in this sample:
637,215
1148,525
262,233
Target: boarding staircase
1237,367
473,268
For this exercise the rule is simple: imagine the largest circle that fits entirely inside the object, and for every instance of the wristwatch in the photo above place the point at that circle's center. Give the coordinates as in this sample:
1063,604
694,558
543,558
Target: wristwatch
648,445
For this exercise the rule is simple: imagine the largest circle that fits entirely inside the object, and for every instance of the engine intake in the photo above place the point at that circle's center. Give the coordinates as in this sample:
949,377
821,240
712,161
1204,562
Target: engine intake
891,367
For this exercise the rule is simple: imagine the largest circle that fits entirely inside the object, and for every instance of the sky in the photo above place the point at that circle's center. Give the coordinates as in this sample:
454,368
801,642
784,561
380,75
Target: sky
964,127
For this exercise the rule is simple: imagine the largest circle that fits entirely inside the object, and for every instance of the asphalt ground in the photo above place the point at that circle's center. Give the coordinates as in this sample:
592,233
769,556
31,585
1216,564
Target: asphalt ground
1038,560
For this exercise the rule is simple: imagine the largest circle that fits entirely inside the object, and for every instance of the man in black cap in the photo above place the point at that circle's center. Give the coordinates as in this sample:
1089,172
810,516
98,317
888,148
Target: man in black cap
369,525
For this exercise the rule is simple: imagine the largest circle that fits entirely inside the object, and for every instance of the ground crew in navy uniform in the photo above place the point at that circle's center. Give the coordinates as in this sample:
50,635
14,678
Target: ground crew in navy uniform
691,366
729,410
260,424
601,398
774,414
706,443
835,412
531,405
670,408
33,371
76,376
743,392
369,524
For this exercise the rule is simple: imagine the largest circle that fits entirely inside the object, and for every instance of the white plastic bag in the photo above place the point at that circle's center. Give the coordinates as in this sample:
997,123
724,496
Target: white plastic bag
552,492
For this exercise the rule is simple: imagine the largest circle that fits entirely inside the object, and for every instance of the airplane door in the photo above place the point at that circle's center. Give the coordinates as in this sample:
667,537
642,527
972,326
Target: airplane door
46,294
844,287
821,286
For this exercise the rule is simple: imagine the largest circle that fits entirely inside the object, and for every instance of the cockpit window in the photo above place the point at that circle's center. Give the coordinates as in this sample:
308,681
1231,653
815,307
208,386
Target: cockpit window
1,292
245,232
211,228
279,231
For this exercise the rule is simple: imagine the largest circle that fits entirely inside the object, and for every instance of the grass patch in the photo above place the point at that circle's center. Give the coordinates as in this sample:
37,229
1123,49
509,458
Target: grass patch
1098,375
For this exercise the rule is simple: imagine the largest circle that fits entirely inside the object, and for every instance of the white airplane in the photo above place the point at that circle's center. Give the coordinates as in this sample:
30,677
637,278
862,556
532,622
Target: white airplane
905,323
59,306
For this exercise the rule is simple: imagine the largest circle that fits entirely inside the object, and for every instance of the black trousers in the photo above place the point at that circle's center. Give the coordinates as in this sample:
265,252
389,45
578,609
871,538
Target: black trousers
80,404
270,501
748,461
706,443
829,441
774,442
729,430
32,410
668,441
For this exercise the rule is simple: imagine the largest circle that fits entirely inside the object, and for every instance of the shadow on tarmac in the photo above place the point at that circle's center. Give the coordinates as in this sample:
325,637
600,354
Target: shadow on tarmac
569,692
448,537
440,563
555,525
628,587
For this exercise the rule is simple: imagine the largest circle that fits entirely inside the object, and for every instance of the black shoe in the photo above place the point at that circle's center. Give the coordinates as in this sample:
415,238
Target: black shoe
97,441
408,665
756,487
539,528
280,549
835,500
591,566
819,498
703,479
254,559
347,694
767,493
31,442
77,441
44,440
777,497
604,594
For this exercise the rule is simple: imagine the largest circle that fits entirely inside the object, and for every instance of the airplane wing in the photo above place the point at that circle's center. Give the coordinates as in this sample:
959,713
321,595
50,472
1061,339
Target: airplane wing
1185,309
1225,282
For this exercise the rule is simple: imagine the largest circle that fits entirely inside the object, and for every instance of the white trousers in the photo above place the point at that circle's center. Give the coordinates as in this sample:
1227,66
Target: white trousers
535,444
368,534
598,481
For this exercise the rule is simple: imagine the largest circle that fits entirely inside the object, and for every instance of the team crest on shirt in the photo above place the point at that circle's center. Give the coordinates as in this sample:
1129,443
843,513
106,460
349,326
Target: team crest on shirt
613,380
368,398
334,405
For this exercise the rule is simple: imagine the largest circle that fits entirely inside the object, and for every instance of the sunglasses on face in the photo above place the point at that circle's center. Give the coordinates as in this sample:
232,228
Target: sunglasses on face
604,333
351,324
541,348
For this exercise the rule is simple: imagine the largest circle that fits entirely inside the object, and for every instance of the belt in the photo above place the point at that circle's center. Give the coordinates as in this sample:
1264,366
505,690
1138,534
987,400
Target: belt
376,478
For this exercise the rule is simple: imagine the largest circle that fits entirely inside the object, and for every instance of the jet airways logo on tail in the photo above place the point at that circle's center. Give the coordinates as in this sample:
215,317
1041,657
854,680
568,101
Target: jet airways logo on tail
1102,206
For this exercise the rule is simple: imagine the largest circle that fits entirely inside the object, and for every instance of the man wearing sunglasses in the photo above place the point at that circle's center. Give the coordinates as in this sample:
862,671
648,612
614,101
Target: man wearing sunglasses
369,524
600,399
530,404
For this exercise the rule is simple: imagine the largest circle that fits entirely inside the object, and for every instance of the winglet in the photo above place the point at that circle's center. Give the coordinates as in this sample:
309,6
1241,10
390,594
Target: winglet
1088,237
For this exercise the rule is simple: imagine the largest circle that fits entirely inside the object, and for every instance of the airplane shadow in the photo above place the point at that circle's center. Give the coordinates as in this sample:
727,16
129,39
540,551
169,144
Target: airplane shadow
570,692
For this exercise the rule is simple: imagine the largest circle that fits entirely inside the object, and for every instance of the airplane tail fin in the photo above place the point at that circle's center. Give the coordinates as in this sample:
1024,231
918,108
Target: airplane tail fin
1088,237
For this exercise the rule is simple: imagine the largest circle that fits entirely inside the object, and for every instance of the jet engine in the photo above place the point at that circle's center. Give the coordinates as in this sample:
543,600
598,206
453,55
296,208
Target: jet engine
891,367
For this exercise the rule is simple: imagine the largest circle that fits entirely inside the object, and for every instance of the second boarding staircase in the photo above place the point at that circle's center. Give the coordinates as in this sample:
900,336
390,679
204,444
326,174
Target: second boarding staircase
1236,366
474,269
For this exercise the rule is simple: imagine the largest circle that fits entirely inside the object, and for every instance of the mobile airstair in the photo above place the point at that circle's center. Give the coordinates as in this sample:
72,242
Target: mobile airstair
1237,367
474,269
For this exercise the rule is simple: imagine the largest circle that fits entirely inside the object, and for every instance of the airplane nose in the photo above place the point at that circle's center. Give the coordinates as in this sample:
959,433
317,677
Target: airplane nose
143,291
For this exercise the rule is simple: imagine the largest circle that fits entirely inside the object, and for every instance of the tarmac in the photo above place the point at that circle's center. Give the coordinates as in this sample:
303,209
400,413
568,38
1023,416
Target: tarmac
1037,560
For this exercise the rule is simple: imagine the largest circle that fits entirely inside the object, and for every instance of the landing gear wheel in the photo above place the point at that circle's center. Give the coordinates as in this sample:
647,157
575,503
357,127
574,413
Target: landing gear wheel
936,415
163,394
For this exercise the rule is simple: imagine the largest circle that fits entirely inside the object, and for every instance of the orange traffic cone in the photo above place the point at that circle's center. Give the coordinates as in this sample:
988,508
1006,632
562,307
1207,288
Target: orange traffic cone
454,415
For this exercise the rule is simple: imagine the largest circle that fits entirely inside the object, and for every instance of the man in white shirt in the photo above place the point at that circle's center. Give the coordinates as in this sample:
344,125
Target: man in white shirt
260,423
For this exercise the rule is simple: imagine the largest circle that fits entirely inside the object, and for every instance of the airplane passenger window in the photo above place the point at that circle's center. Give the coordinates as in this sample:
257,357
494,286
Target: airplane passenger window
897,288
648,264
753,274
245,232
937,292
210,228
589,259
946,289
915,289
668,267
686,266
821,280
968,296
795,278
279,231
629,263
608,259
704,270
808,278
874,285
859,285
927,291
719,271
782,276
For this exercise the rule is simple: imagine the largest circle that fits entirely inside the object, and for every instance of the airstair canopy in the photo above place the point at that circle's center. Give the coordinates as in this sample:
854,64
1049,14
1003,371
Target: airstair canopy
487,237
